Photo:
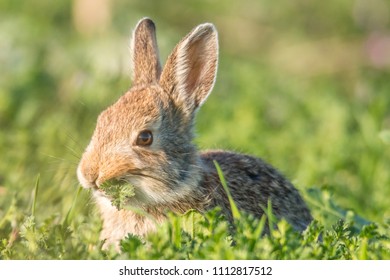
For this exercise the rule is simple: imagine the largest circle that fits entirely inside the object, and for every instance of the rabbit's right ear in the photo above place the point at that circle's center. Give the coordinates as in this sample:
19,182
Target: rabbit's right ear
190,71
146,68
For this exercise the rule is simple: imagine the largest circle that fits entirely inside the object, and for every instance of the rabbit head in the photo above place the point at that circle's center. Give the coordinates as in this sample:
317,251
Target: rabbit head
145,137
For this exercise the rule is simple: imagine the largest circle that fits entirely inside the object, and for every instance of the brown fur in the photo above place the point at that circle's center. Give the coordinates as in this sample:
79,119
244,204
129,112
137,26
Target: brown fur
170,175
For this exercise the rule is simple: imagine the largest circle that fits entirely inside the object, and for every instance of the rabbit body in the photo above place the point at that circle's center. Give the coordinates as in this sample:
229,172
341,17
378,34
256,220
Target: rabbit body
145,138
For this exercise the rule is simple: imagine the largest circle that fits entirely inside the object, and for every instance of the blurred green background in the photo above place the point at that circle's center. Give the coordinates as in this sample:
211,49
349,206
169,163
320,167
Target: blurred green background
303,84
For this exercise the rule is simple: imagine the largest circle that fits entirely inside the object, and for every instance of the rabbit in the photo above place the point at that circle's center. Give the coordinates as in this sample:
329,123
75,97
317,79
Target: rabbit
145,138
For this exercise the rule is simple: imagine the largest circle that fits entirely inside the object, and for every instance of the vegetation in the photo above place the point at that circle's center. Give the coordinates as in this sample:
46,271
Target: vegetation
302,84
118,191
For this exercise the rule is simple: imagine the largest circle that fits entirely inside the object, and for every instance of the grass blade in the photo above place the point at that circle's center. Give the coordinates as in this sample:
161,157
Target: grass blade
36,188
69,215
235,212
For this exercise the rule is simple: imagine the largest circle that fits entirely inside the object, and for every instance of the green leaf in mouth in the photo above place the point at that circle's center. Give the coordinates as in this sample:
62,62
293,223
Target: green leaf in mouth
119,191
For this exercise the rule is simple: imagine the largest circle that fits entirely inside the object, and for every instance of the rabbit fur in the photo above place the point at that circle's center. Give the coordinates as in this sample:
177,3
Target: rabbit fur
170,174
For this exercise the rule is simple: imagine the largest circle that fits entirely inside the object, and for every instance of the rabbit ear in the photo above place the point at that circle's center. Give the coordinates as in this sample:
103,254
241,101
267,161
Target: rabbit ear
146,66
190,71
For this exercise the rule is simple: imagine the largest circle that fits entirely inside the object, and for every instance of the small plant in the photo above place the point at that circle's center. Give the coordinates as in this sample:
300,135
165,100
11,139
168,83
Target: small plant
118,191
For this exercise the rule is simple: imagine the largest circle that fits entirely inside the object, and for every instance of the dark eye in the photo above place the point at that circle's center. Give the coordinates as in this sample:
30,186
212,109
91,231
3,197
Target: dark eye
144,138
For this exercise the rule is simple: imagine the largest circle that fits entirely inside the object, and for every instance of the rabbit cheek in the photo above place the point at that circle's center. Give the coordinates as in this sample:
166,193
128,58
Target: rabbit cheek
146,192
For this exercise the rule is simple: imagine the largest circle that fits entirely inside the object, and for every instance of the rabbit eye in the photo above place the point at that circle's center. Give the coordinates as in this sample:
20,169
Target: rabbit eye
145,138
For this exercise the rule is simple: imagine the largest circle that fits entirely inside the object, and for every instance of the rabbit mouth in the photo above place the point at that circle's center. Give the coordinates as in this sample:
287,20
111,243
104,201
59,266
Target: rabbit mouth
134,189
119,192
142,190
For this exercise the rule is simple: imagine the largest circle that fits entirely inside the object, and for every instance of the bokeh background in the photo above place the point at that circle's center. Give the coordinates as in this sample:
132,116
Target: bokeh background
303,84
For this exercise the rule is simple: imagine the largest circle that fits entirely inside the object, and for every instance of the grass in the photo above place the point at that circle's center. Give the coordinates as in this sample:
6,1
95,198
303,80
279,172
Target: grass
118,191
304,86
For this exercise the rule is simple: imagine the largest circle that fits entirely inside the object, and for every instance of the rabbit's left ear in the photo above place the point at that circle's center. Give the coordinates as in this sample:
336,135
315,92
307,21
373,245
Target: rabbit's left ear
146,67
190,71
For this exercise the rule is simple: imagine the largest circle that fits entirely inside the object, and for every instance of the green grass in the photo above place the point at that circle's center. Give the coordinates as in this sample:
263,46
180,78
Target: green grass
299,84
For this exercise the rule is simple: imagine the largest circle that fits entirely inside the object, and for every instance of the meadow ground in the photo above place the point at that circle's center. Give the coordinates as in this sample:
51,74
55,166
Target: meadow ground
301,84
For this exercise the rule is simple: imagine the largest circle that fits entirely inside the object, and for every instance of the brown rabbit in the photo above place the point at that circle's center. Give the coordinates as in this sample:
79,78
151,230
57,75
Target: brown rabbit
145,139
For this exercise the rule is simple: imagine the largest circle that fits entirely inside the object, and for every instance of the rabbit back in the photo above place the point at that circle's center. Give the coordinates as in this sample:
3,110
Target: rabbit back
252,183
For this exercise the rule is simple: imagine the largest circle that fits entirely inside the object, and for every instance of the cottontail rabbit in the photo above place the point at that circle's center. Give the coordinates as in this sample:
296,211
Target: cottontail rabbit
145,138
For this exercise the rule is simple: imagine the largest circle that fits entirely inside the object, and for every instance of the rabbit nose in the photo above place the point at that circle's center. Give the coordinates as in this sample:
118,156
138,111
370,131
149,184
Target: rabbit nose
92,182
87,178
92,178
